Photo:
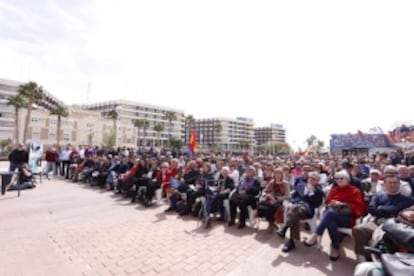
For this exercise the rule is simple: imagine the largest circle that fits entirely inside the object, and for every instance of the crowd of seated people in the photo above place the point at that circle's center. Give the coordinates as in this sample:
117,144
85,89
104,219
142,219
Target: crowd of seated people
283,191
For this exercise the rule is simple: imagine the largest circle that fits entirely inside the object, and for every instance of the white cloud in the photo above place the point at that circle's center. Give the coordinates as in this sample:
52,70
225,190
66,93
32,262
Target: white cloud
317,67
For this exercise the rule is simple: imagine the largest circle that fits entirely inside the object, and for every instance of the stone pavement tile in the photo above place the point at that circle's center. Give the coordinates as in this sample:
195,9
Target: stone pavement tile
80,229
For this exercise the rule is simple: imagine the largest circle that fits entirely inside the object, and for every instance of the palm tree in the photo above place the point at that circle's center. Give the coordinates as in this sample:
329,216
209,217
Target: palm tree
319,145
33,93
311,141
60,111
170,116
112,114
159,128
189,121
138,123
18,102
145,126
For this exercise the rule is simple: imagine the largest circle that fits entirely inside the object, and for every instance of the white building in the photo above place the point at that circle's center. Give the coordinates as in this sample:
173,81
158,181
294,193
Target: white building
273,134
233,134
128,111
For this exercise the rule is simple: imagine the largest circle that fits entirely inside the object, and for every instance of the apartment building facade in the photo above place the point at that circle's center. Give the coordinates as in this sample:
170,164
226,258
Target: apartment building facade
275,133
8,88
128,111
224,134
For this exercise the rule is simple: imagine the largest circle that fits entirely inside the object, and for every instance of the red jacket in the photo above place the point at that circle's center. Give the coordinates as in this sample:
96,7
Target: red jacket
51,156
164,179
129,173
353,197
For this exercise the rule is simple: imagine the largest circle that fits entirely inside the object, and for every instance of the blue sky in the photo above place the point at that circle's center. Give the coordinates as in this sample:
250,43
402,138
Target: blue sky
317,67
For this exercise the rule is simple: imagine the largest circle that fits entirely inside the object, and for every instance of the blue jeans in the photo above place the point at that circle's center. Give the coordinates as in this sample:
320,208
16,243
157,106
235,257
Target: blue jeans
331,220
183,188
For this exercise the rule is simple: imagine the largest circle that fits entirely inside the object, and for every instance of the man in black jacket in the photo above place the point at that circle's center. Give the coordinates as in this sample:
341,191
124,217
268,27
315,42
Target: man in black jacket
17,157
305,198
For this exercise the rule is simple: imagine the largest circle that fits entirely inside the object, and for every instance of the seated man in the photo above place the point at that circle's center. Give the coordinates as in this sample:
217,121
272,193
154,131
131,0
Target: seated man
190,176
205,178
25,179
305,198
217,193
245,196
381,207
370,184
405,188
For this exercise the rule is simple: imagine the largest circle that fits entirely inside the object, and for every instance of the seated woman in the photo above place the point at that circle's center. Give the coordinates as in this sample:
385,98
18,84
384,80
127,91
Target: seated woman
25,179
345,203
270,203
302,204
245,196
120,187
162,180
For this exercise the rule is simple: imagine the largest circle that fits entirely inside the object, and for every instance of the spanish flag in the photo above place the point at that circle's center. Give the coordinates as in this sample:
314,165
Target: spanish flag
193,142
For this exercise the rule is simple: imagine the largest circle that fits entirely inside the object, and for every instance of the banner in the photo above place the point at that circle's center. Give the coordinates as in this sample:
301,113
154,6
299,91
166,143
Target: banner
35,156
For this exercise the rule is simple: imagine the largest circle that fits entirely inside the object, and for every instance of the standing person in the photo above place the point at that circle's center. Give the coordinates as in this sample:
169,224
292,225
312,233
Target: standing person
64,159
17,157
50,157
57,161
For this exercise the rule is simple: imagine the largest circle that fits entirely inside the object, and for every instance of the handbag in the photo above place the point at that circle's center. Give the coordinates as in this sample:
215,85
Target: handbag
398,264
343,209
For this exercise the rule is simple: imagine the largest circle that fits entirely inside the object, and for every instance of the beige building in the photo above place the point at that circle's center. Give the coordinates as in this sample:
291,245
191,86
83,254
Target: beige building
128,111
7,114
233,134
81,127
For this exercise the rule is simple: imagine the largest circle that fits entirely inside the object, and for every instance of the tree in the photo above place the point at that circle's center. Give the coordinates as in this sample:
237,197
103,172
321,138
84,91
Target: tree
18,102
113,115
109,139
311,141
319,145
5,145
159,128
60,111
33,93
170,116
177,143
138,123
145,126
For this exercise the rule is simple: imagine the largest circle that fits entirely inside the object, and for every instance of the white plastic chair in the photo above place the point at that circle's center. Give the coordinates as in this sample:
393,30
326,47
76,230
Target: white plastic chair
158,196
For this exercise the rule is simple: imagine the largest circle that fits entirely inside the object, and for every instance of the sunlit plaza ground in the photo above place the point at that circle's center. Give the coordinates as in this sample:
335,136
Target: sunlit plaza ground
62,228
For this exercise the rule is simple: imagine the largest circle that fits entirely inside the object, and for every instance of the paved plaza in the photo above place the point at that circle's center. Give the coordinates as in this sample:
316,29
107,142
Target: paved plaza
63,228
